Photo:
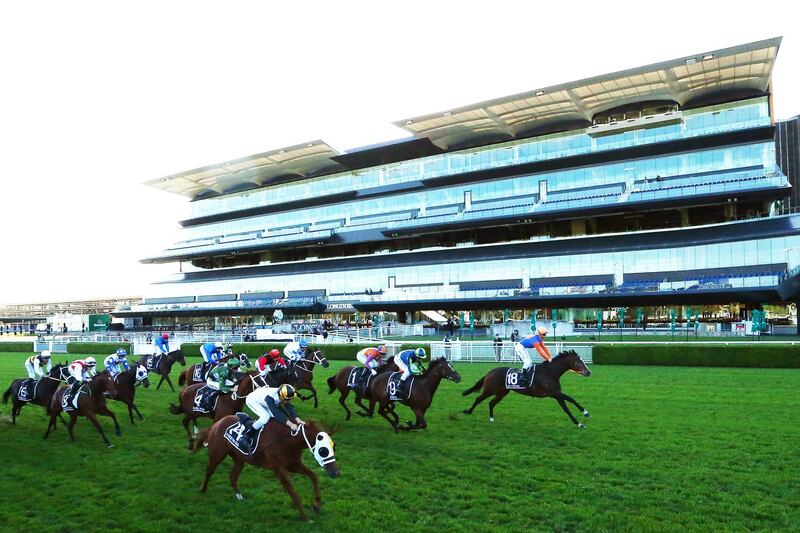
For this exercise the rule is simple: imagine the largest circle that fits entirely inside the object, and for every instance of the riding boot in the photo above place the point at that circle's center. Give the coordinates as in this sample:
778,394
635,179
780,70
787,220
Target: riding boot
526,376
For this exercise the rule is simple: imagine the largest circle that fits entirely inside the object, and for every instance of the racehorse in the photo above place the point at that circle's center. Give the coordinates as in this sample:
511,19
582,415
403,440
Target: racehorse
339,381
546,384
226,404
43,391
126,387
422,392
299,375
165,365
89,405
278,449
187,376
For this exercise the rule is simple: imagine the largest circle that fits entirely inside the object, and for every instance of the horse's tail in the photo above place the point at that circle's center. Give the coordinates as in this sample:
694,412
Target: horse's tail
331,384
200,440
475,387
7,394
175,409
182,379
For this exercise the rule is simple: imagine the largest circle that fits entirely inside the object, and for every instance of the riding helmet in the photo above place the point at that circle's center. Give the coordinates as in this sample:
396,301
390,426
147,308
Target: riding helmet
382,349
420,353
286,392
45,354
541,330
90,361
165,336
122,353
274,353
233,363
304,343
218,345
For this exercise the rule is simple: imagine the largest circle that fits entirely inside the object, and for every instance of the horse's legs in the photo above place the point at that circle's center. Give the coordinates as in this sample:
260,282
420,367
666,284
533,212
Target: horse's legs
313,394
384,413
105,411
15,407
300,468
214,460
160,381
283,476
130,412
368,411
342,396
52,424
73,419
576,404
93,419
478,400
394,414
563,405
419,423
238,465
169,381
186,421
137,411
497,399
61,417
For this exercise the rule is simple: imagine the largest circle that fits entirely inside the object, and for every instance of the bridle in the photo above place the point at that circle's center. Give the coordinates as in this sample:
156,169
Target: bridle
323,461
317,361
255,386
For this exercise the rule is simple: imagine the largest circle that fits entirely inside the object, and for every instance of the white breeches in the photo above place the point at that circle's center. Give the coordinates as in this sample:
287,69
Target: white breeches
523,354
403,368
31,370
260,410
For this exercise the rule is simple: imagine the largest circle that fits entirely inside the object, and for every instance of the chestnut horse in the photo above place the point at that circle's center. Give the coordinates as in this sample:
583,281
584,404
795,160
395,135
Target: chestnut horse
546,384
165,365
43,393
126,387
339,382
89,405
278,449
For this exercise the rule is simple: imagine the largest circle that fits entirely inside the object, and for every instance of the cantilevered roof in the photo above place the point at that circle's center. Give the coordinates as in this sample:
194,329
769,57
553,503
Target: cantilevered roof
744,69
301,161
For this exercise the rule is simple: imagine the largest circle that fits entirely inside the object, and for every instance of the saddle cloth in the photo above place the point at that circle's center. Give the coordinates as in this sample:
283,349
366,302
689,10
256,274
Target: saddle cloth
514,379
358,379
201,399
393,387
67,403
153,361
200,371
235,434
27,391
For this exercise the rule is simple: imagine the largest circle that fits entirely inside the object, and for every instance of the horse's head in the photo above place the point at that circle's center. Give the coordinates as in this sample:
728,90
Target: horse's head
142,375
103,382
316,355
441,367
243,360
58,372
321,446
179,357
574,362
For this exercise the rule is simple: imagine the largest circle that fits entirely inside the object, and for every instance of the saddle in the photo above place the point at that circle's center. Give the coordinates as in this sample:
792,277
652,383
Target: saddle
358,379
27,391
397,389
205,400
238,434
515,378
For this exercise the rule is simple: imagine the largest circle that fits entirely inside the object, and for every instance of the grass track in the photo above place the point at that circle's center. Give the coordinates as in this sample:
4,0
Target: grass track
666,449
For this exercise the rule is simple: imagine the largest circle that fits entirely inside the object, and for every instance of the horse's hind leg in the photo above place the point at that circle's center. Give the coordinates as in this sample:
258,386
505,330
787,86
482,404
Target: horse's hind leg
52,424
342,398
160,381
169,382
186,421
300,468
576,404
130,413
368,411
497,399
137,411
313,394
384,413
283,476
238,465
475,404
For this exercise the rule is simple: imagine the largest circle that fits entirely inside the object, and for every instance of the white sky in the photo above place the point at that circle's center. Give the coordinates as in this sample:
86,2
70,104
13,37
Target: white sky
97,97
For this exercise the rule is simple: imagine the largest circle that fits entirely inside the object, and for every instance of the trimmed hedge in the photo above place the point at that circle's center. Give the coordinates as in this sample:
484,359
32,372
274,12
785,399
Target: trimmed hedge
333,352
97,348
16,346
768,356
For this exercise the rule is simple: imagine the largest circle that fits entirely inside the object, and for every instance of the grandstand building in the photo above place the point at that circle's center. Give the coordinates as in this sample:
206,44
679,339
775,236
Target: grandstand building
657,185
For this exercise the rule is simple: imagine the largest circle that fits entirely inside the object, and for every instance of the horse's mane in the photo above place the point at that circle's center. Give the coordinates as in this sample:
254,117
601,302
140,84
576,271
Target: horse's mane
436,363
566,353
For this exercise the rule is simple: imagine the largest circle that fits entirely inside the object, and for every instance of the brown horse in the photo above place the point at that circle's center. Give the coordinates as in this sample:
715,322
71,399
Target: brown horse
226,404
89,405
126,387
339,382
164,365
42,393
301,374
187,376
546,384
422,392
278,450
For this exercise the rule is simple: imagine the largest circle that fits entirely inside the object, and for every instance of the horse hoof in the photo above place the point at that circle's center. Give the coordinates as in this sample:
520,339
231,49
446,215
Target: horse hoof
118,433
110,445
317,507
239,496
491,419
586,414
581,426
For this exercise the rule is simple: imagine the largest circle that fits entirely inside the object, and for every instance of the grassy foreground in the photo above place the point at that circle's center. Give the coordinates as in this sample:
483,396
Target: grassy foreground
666,449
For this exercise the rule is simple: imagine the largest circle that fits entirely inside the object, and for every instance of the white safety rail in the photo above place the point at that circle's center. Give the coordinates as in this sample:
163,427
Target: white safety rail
487,352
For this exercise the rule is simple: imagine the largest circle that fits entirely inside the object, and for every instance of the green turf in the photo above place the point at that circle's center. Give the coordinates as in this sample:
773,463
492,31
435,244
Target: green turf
666,449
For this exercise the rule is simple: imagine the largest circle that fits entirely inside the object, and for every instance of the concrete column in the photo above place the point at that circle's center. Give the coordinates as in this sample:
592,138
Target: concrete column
684,217
578,227
730,212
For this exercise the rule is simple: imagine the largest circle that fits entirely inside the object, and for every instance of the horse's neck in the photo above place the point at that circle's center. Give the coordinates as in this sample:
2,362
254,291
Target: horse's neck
558,367
434,379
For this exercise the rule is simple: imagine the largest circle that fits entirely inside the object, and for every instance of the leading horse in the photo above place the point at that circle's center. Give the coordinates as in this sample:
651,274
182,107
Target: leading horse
546,384
164,365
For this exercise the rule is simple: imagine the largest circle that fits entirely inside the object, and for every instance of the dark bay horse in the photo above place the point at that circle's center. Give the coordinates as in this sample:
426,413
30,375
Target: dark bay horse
424,388
43,393
187,376
89,405
546,384
165,365
226,404
278,450
339,382
300,375
126,383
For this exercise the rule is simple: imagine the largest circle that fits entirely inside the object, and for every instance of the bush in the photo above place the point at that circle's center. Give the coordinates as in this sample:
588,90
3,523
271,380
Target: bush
333,352
97,348
16,346
767,356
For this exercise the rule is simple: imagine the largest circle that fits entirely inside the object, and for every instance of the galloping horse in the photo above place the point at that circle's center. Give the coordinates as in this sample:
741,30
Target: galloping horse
339,381
226,404
546,384
88,405
300,375
187,376
126,387
422,392
278,450
164,365
43,392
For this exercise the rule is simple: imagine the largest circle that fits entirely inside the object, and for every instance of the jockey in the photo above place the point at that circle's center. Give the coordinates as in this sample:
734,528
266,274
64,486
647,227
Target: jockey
115,362
272,402
269,362
295,351
220,374
372,358
162,344
34,363
532,341
407,361
211,352
80,371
